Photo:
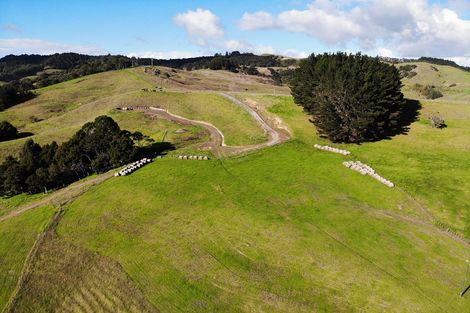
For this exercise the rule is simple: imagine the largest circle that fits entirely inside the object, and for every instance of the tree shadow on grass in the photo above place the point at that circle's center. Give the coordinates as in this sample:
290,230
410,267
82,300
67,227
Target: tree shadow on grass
24,135
156,149
19,136
410,115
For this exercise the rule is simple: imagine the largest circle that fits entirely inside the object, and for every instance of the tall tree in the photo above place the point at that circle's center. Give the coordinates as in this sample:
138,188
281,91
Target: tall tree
97,147
351,98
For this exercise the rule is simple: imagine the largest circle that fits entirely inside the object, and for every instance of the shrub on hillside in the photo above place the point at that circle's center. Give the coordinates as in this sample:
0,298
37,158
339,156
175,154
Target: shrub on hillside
351,98
249,70
428,91
7,131
407,70
437,121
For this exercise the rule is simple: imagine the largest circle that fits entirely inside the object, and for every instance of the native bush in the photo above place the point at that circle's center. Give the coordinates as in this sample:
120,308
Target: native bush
428,91
351,98
7,131
97,147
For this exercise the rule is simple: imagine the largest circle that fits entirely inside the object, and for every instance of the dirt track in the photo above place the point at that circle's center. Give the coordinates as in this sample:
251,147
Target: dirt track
217,143
61,196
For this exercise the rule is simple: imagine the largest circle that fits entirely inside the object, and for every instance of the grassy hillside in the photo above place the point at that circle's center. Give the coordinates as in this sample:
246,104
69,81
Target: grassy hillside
60,110
208,80
452,82
283,229
430,164
17,236
301,234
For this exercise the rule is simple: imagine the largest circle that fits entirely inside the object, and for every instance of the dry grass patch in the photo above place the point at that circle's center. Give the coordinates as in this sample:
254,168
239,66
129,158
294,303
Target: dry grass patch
66,278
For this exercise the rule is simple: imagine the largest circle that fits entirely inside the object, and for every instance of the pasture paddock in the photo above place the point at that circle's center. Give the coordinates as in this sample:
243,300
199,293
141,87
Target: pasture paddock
282,229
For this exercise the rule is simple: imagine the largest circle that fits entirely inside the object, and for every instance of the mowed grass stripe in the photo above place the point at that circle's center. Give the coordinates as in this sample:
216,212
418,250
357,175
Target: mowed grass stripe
17,237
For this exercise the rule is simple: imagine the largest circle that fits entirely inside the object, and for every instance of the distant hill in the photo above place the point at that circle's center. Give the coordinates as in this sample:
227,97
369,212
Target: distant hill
17,67
73,65
21,73
431,60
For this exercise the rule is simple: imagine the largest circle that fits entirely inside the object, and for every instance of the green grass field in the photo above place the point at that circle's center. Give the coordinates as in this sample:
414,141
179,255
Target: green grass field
8,204
430,164
283,229
63,108
239,235
17,237
235,123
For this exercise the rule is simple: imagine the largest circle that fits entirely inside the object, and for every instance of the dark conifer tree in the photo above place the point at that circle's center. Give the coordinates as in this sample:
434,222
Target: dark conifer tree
351,98
7,131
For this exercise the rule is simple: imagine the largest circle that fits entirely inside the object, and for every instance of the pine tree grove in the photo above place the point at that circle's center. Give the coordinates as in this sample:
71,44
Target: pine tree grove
351,98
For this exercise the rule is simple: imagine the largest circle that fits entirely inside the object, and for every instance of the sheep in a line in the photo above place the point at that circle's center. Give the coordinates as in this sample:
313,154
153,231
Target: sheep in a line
193,157
332,149
365,169
132,167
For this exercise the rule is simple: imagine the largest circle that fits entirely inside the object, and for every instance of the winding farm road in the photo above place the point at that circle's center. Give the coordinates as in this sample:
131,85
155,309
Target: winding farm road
217,143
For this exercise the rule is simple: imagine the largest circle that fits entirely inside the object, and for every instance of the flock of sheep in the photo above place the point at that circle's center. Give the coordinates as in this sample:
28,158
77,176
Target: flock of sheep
193,157
332,149
365,169
132,167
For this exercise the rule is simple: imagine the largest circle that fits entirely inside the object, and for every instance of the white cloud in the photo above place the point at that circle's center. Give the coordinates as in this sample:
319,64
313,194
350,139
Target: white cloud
235,45
201,25
293,53
243,46
380,51
329,26
39,46
465,61
263,49
165,54
204,29
258,20
395,27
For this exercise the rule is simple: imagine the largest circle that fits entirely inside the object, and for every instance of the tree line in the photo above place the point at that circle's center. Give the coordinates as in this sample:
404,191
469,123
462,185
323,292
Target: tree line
97,147
23,73
228,61
14,93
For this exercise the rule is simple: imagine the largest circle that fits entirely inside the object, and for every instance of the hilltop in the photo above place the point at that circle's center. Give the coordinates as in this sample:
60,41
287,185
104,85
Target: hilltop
285,228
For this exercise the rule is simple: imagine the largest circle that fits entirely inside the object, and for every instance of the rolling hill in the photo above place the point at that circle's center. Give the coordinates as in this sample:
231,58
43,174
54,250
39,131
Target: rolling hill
286,228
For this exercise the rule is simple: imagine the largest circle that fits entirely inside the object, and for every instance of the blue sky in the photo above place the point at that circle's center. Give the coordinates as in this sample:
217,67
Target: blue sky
295,28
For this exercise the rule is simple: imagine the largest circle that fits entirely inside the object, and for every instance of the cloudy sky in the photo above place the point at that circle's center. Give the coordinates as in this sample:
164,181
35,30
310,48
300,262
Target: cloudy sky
169,29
